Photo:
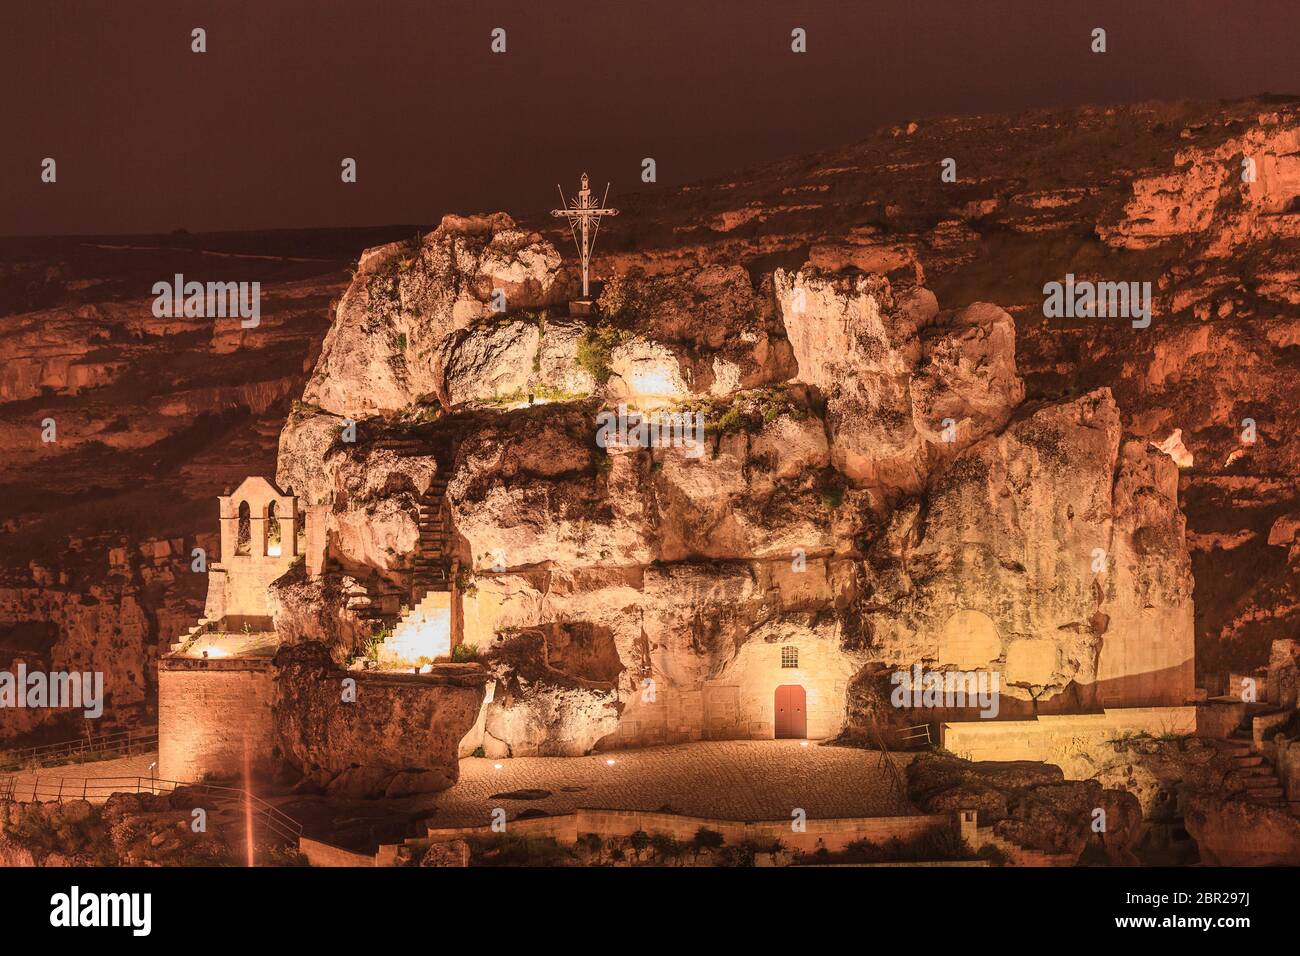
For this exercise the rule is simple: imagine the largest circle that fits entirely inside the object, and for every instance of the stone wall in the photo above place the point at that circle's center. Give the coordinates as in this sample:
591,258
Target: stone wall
319,853
833,834
1073,742
366,733
209,713
740,704
1288,765
1217,719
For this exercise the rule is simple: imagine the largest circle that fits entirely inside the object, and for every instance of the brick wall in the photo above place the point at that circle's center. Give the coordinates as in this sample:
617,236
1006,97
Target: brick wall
207,710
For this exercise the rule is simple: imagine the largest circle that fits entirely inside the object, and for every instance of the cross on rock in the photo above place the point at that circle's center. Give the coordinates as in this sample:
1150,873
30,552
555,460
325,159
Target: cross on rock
586,215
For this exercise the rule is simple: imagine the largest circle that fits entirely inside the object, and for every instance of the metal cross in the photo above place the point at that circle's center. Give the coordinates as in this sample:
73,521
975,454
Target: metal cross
582,212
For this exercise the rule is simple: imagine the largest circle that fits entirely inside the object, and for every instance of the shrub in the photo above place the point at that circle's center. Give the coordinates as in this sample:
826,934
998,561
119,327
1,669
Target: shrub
623,298
551,393
740,855
410,251
706,839
596,347
464,653
666,846
509,850
993,854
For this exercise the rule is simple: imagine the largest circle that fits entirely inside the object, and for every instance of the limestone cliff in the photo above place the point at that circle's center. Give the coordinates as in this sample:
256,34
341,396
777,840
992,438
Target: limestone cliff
871,489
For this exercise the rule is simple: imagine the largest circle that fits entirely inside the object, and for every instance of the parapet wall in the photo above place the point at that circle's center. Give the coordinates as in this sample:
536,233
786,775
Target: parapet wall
833,834
1067,740
209,712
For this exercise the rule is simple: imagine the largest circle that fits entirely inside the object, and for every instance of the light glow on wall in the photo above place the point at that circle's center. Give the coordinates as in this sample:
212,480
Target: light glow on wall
424,633
653,380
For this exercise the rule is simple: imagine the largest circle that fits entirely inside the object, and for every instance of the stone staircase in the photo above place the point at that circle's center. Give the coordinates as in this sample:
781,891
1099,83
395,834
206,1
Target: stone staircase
372,600
200,628
434,567
433,563
419,615
1255,772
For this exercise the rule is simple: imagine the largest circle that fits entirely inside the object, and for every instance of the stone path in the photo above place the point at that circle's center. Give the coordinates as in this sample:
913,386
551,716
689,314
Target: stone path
72,776
731,780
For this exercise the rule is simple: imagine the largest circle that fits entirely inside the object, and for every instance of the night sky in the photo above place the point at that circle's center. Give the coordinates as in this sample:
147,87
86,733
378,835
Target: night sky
150,137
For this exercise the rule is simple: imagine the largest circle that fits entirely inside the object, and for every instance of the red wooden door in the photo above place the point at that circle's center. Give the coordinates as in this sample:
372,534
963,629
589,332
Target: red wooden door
791,714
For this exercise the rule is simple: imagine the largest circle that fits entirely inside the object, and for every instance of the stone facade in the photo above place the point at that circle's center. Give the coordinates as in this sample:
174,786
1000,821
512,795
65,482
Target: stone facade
740,703
259,541
211,713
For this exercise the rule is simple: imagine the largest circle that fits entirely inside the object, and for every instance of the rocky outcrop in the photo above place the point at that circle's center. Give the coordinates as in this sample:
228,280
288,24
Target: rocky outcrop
363,734
1240,191
108,624
1029,805
394,328
1233,830
847,422
1056,553
859,345
133,829
1162,773
306,610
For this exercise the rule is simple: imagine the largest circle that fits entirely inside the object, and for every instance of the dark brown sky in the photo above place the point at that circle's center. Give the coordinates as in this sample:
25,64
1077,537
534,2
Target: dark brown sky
151,137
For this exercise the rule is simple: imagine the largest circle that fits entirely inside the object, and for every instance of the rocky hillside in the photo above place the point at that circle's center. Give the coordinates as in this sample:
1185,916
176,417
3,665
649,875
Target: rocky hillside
153,418
868,347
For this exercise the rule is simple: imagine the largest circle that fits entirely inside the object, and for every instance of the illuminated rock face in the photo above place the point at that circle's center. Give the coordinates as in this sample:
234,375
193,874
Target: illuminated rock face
1065,554
873,492
969,641
421,293
424,634
1231,194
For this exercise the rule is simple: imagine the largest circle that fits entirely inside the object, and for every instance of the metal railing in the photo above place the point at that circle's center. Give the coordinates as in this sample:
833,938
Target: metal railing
887,760
59,789
916,736
120,744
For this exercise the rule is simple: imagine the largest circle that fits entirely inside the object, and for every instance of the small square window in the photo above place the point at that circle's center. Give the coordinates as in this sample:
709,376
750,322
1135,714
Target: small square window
789,657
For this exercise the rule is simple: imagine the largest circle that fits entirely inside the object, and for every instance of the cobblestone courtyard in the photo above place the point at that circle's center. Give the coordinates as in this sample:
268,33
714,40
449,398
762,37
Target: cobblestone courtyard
733,780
